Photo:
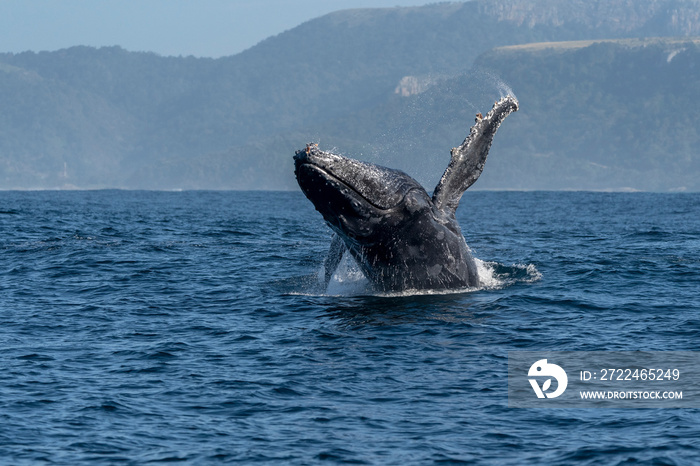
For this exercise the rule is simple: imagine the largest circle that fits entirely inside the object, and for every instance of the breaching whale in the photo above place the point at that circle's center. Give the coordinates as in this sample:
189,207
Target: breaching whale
402,238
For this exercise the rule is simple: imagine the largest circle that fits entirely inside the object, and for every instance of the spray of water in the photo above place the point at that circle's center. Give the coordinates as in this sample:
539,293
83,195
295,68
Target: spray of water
434,119
348,280
501,86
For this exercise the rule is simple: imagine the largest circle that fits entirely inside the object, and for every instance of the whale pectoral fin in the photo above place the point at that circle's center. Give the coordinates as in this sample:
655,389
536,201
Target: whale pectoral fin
335,254
468,159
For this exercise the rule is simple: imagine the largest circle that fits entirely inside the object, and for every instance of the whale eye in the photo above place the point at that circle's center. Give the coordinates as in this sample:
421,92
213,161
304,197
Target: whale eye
539,368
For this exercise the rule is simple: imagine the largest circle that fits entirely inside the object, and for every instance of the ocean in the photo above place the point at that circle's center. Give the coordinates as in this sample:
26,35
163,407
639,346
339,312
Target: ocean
191,328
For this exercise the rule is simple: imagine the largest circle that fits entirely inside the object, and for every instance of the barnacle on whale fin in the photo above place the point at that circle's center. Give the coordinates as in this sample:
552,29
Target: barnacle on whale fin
310,145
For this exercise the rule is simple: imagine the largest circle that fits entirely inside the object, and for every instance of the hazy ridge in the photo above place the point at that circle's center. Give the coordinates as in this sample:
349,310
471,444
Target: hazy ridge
93,118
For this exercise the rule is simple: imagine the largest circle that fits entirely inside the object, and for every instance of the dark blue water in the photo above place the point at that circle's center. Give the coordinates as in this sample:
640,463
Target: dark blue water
141,327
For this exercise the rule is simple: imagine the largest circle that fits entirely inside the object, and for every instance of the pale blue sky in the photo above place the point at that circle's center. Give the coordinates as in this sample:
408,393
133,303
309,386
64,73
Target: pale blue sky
205,28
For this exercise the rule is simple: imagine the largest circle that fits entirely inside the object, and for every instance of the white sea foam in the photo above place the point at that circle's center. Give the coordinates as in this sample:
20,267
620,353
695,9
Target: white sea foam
349,280
494,275
487,275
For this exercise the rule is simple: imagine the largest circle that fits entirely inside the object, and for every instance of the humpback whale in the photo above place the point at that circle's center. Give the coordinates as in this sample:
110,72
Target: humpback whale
401,237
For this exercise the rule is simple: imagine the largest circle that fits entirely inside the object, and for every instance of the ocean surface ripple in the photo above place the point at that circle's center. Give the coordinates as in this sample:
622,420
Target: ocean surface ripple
188,327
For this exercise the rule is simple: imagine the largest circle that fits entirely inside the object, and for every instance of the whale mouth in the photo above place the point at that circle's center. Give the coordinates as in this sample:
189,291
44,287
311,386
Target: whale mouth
380,188
345,210
323,182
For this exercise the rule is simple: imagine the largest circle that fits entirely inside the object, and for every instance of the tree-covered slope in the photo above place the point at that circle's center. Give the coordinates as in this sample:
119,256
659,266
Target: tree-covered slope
611,114
620,114
110,118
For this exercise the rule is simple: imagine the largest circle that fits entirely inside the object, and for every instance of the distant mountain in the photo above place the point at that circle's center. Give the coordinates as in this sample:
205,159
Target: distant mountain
603,115
609,115
87,118
643,18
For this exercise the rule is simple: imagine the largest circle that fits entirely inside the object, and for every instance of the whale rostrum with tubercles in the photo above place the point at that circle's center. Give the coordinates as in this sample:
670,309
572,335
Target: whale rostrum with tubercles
401,238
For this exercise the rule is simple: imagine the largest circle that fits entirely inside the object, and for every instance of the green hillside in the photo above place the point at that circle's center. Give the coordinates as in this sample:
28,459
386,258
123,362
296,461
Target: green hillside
86,118
610,115
614,115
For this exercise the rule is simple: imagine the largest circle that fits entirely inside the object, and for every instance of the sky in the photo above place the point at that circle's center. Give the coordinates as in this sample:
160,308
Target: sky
203,28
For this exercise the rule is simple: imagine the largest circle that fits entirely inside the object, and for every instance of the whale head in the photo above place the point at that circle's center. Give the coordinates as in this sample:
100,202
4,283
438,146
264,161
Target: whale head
355,197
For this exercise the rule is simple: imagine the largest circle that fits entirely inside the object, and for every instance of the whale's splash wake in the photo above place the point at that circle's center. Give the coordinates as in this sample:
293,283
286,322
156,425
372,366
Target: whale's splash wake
495,276
348,279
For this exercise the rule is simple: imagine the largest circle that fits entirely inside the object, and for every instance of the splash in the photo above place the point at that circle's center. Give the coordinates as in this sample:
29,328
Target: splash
349,280
496,276
493,79
441,111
